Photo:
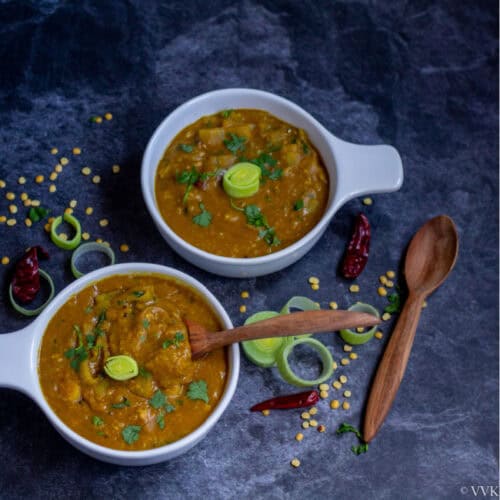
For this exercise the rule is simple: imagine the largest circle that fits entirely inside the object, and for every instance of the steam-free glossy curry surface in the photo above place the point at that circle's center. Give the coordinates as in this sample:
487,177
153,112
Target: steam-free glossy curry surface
291,199
141,316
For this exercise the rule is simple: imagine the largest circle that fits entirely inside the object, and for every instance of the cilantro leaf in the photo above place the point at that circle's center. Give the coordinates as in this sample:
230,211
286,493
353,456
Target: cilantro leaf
97,421
394,303
269,236
204,218
125,402
298,205
37,213
362,448
198,390
226,113
138,293
158,399
160,420
186,148
179,337
267,165
305,147
235,143
143,372
343,428
77,354
145,323
130,433
254,216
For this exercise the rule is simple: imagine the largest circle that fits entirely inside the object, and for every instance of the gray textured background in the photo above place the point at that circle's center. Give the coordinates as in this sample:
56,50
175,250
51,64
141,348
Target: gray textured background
421,75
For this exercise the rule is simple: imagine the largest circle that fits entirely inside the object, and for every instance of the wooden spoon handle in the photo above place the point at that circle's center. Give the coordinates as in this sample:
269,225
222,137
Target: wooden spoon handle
392,367
281,326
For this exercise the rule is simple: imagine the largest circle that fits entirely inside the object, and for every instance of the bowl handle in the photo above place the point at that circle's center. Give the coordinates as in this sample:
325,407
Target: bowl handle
365,170
16,370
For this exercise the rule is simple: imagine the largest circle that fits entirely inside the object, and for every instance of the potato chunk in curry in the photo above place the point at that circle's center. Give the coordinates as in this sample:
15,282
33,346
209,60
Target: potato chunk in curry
140,316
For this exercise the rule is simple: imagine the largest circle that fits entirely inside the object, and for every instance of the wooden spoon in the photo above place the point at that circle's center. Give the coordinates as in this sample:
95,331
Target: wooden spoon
430,258
203,341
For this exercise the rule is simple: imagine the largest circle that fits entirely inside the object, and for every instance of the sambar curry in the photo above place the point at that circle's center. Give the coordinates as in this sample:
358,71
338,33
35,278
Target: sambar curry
140,316
290,201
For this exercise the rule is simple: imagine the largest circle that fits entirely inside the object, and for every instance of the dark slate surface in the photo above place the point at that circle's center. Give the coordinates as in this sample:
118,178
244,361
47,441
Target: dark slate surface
421,75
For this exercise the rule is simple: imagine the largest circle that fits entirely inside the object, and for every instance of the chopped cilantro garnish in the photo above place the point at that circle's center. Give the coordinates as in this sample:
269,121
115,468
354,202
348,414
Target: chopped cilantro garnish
186,148
138,293
257,219
97,421
305,147
143,372
145,323
267,165
160,420
298,205
130,433
125,402
362,447
37,213
77,354
90,340
198,390
226,113
394,303
179,337
204,218
235,143
158,399
88,310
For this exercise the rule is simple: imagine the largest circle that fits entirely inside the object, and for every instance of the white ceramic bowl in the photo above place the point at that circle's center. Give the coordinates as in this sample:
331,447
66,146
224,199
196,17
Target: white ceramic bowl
19,353
354,171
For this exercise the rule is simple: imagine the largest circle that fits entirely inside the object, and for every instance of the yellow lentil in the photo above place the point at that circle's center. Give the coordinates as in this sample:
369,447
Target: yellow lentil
344,361
379,335
13,209
63,161
367,201
323,394
346,405
243,308
295,462
386,316
50,220
52,188
86,171
382,279
347,394
299,436
99,240
11,222
390,274
10,196
360,329
3,218
68,211
96,179
89,210
347,348
115,169
323,387
5,260
354,288
424,304
85,236
321,428
58,168
333,305
313,423
35,203
334,365
98,119
305,425
313,280
63,236
103,222
124,247
389,284
47,228
266,412
336,384
2,184
73,203
315,286
314,410
343,379
305,415
108,116
76,151
28,222
24,196
53,176
244,294
334,404
353,355
54,151
21,180
382,291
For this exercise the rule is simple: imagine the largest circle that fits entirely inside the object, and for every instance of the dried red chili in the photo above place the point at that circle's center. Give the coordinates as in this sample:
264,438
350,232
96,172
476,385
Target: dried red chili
300,400
356,254
26,279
